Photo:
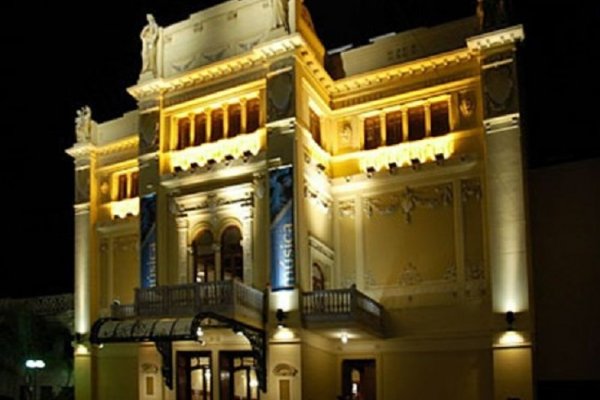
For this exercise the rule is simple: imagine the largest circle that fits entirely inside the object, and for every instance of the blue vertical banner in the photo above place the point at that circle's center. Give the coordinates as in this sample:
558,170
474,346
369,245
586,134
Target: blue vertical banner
281,207
148,241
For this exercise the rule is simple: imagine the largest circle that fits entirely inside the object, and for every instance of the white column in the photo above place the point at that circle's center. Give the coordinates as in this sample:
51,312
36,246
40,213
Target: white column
82,268
247,248
182,252
506,219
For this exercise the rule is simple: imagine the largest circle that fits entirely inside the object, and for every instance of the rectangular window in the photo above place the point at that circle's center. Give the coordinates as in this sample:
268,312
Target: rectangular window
199,129
183,133
122,187
238,378
393,128
372,133
194,376
216,132
134,190
440,122
416,123
315,126
252,115
234,120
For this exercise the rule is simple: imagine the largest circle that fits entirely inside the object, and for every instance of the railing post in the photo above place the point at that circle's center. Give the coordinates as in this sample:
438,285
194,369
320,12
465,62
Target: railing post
353,299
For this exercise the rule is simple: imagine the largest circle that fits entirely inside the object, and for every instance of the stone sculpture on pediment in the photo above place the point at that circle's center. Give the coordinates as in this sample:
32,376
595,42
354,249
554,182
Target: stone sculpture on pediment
281,12
83,124
149,36
491,14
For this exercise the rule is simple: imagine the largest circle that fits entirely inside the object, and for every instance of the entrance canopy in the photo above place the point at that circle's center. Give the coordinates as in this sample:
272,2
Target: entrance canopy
164,331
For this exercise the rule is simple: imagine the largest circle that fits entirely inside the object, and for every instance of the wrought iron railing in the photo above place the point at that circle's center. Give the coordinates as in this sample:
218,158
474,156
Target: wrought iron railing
225,297
350,305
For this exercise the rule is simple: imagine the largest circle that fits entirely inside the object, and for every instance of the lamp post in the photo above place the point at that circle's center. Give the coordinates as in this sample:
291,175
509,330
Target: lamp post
34,366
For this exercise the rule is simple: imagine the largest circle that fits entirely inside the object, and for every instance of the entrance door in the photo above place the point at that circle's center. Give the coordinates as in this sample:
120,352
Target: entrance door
358,380
237,372
194,376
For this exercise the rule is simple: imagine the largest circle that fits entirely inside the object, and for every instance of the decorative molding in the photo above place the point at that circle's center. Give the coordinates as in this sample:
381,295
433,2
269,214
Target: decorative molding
212,201
284,369
148,368
475,271
129,143
324,257
346,208
409,200
410,276
233,65
450,273
81,150
497,38
471,189
317,198
369,278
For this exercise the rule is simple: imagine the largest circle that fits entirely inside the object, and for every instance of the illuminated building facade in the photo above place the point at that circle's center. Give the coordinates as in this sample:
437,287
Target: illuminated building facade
264,227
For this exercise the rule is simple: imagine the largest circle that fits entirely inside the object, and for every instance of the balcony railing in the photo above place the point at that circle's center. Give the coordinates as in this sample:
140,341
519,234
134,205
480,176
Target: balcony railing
232,299
342,308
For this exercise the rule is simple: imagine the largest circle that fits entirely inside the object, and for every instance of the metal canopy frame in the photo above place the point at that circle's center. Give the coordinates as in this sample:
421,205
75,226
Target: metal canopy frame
164,331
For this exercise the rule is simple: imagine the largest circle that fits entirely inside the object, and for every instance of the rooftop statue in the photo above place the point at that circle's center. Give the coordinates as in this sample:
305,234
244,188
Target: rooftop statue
491,14
149,36
83,124
281,14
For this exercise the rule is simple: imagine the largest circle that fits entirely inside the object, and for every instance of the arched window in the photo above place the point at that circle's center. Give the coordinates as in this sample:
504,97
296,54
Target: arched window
318,279
204,257
232,257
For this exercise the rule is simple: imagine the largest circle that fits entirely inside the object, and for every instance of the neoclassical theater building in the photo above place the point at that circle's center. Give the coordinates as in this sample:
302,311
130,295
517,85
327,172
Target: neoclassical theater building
279,222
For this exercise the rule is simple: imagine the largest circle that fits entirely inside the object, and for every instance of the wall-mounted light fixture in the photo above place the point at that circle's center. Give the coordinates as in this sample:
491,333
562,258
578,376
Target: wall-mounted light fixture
344,337
510,320
281,317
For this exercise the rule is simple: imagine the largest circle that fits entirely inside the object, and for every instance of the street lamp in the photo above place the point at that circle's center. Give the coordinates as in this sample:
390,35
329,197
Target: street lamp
34,366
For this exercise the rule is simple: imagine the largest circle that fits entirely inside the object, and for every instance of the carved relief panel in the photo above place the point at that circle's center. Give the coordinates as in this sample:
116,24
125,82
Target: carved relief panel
409,236
500,85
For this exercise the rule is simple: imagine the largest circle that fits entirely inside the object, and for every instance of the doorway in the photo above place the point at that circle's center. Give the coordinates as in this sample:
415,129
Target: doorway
358,380
194,376
238,379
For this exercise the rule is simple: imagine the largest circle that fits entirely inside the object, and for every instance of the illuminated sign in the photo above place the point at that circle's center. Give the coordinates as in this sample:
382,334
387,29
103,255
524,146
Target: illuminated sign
281,189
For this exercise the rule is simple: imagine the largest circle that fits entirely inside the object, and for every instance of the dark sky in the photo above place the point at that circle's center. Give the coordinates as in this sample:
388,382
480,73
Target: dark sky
63,55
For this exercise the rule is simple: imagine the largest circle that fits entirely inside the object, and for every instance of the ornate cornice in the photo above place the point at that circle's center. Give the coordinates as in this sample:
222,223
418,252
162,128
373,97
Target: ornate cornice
497,38
240,195
396,73
81,150
118,146
216,71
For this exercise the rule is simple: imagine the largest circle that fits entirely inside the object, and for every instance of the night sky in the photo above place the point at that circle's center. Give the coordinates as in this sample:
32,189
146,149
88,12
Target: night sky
64,56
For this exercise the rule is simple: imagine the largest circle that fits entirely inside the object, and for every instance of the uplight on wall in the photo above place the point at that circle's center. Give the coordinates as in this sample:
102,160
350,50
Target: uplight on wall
344,337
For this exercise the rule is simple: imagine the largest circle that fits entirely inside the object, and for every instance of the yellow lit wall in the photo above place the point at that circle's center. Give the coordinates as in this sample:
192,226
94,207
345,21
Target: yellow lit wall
117,373
319,380
456,375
